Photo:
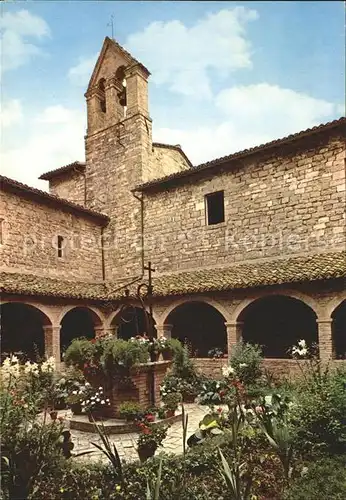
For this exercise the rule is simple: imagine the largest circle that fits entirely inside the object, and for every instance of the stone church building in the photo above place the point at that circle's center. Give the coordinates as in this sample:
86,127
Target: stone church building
250,245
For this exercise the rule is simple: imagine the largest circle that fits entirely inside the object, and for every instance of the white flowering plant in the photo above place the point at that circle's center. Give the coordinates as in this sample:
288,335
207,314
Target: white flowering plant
94,400
300,350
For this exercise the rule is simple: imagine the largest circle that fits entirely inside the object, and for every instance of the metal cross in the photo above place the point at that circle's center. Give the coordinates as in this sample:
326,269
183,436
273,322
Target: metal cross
111,24
150,270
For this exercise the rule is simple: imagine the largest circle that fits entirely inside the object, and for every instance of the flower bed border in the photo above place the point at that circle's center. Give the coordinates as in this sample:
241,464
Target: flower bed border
115,426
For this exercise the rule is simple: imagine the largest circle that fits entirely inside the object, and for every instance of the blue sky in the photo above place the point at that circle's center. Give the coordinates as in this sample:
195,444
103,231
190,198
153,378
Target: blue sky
225,75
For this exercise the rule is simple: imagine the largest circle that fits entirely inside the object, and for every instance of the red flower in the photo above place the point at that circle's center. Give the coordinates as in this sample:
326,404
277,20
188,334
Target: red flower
219,410
93,341
146,430
222,393
150,417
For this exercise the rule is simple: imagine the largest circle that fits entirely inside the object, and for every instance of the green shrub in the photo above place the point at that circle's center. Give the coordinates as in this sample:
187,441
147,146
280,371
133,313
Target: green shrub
130,410
183,366
212,392
79,352
246,360
319,414
121,353
324,480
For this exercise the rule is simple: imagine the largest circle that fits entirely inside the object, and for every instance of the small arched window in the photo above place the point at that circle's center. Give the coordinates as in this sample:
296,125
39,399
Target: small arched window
101,86
61,246
120,76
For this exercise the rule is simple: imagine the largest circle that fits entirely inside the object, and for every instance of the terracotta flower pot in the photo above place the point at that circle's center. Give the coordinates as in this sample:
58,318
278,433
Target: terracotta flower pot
189,398
145,452
154,356
76,408
167,354
170,413
53,414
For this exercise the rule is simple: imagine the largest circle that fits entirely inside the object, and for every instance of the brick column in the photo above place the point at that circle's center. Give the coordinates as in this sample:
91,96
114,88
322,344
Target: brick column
52,342
325,339
164,330
234,334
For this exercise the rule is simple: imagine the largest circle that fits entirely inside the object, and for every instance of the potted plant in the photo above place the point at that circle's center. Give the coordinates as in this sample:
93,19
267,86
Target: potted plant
149,439
188,391
171,402
130,410
154,350
216,353
94,403
164,348
150,414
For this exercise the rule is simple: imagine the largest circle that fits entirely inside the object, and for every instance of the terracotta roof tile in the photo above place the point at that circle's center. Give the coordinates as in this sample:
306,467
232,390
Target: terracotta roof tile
62,170
19,189
239,276
169,179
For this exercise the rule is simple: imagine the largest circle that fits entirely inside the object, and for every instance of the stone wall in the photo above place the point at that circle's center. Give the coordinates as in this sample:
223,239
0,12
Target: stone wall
30,240
70,186
279,368
165,160
288,202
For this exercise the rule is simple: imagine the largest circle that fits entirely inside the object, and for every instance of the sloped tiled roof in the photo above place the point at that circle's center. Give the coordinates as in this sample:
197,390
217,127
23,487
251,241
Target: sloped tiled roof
63,170
170,179
239,276
7,184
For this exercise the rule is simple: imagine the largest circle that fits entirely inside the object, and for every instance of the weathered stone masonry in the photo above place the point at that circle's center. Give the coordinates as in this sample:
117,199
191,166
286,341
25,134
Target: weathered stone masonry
134,200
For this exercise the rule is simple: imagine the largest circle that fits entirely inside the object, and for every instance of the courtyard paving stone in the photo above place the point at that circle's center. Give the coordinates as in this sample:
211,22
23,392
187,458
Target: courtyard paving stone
126,443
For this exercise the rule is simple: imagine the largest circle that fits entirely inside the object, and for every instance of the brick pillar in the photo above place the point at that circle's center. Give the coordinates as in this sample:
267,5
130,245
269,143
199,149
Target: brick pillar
234,334
325,339
164,330
52,342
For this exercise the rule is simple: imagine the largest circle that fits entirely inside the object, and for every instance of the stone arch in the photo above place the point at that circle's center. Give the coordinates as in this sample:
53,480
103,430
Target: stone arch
199,324
23,326
128,321
339,330
219,307
277,322
333,304
79,321
97,315
309,301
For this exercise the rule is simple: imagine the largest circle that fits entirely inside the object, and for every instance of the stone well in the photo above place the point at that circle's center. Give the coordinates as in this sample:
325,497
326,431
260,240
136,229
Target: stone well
144,387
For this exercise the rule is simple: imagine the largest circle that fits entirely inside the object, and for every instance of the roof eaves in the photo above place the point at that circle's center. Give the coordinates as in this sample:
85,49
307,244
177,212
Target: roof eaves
62,170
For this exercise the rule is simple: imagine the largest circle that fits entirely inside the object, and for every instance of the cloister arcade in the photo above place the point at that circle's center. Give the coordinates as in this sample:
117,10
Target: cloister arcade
275,321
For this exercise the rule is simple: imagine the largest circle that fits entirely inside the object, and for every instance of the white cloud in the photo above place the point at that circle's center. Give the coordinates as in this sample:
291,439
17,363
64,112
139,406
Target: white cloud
81,73
53,138
16,28
10,113
184,58
56,114
249,116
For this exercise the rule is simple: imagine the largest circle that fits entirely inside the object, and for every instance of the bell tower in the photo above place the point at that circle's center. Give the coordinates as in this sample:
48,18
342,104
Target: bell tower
118,88
118,149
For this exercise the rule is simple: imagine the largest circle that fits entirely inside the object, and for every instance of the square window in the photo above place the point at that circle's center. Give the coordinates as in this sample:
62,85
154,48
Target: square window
215,208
